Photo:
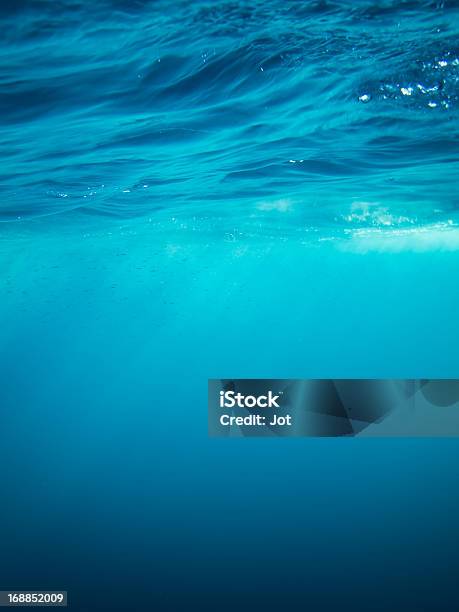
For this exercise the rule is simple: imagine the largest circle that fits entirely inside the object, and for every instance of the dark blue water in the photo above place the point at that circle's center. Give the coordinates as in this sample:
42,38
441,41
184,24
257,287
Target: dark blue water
215,190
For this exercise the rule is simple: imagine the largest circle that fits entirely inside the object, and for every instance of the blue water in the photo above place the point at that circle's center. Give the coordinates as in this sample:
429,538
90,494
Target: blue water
215,190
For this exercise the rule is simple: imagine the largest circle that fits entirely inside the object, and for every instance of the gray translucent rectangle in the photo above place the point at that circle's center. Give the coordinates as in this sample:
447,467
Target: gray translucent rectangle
20,599
333,407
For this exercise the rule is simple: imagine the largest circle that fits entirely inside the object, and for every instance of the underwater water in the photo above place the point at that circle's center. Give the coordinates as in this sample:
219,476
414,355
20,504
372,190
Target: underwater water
213,190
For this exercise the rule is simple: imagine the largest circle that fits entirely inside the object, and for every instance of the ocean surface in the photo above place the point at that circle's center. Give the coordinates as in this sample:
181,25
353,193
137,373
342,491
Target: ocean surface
194,190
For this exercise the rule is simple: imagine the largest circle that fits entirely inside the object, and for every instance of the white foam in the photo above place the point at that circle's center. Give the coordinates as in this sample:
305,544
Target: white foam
434,237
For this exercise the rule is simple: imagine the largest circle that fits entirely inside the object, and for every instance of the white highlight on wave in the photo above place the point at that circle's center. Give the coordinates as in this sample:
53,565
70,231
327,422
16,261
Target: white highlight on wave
282,205
372,213
442,236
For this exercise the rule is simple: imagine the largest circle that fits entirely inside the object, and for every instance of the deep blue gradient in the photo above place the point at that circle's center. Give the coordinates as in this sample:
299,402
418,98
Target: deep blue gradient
194,191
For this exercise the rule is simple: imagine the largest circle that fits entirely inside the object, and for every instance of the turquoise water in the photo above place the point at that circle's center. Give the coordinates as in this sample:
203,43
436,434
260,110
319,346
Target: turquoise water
244,189
270,113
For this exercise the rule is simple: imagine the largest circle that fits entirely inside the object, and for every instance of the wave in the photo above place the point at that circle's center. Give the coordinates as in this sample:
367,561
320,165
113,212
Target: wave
131,108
